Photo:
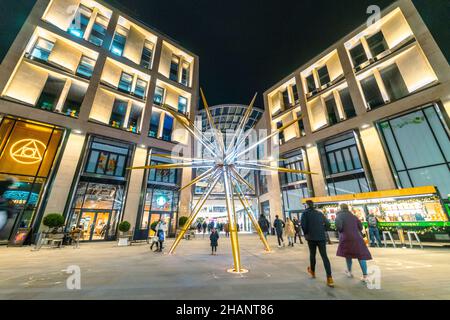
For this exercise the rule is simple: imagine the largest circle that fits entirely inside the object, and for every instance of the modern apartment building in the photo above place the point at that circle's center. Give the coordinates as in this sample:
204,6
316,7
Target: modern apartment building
81,93
375,110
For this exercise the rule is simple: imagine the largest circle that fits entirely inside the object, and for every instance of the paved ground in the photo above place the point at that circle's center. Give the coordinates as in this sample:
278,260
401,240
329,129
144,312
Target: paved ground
111,272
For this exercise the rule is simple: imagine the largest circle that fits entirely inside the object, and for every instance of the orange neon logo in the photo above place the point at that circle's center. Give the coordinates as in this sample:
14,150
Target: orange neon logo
27,151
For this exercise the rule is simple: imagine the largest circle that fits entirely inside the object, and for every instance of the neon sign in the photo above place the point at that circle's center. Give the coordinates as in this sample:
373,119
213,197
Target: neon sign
27,151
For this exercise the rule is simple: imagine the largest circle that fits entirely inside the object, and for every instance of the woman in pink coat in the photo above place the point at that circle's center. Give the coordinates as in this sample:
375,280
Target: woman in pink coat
351,242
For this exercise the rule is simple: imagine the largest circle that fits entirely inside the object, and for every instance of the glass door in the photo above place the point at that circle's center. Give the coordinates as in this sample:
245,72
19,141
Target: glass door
95,225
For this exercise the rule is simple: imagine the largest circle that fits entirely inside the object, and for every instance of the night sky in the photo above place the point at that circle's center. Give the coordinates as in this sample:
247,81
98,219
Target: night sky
246,46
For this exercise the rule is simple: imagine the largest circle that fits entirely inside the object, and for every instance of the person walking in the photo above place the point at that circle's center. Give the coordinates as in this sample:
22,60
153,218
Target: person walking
278,224
289,229
314,225
298,231
226,228
264,224
214,238
199,227
161,229
204,226
374,232
351,242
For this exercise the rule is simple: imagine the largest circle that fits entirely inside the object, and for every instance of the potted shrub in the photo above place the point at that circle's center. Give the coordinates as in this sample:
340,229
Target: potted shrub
124,227
53,221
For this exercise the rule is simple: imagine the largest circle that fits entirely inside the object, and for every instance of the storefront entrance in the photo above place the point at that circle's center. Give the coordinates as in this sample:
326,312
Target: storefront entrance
95,225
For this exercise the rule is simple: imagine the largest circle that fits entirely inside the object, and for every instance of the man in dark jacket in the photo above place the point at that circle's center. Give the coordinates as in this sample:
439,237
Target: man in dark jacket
298,231
264,224
315,225
278,224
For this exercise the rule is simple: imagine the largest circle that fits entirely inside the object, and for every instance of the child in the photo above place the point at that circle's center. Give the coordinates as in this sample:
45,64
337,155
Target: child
214,237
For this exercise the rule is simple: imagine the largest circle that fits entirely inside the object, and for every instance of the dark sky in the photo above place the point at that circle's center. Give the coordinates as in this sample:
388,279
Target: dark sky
246,46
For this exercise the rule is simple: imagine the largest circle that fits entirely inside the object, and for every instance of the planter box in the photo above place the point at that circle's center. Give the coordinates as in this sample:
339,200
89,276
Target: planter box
123,241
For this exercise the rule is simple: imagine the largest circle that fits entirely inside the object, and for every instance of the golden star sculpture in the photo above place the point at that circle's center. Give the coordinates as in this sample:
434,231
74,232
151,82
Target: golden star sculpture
223,163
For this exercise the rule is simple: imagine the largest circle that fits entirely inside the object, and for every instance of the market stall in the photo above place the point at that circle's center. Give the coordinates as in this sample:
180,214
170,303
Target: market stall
417,208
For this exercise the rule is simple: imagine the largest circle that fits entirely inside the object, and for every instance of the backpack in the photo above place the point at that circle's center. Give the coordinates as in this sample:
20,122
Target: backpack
372,221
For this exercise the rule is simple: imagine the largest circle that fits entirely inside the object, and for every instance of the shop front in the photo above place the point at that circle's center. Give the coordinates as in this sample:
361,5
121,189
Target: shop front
161,199
417,209
27,154
98,199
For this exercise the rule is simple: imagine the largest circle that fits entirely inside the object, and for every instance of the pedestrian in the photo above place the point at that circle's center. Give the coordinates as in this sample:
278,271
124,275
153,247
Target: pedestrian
264,224
204,226
289,229
278,224
161,229
351,242
6,206
199,227
214,238
226,227
314,225
374,232
298,231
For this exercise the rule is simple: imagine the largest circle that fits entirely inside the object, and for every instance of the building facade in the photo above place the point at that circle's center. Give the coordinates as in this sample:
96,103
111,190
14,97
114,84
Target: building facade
81,93
373,114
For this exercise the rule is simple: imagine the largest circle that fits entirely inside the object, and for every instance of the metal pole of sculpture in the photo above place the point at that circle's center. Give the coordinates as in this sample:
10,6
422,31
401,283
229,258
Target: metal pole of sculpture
226,164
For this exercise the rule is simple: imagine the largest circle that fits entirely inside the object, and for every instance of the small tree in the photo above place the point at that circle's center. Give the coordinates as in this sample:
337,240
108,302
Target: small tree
124,226
53,221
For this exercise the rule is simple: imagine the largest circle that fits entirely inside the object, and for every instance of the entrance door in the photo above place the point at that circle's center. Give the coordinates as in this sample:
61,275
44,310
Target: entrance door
95,225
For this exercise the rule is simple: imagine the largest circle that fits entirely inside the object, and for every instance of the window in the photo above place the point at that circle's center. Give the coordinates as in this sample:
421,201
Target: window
182,104
154,123
86,67
80,22
419,147
393,82
147,55
42,49
50,93
263,185
285,95
118,43
295,92
347,103
107,158
134,119
332,111
141,88
301,125
125,82
159,96
342,165
310,83
118,113
185,73
324,77
292,197
74,100
98,31
377,44
281,134
294,162
169,176
167,128
358,55
174,65
371,92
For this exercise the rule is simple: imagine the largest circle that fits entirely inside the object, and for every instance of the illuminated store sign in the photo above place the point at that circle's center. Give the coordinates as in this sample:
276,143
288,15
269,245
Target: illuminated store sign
27,151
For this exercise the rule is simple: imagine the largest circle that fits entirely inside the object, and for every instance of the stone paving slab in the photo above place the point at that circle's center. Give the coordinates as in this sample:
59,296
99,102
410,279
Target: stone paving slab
111,272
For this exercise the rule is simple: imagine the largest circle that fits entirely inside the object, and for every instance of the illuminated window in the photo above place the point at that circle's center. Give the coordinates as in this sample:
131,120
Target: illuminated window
295,92
125,82
80,22
50,93
185,74
347,103
154,123
285,95
332,111
119,40
182,104
42,49
118,113
372,92
167,128
393,82
98,31
86,67
147,55
311,85
174,65
107,158
159,96
134,119
141,88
